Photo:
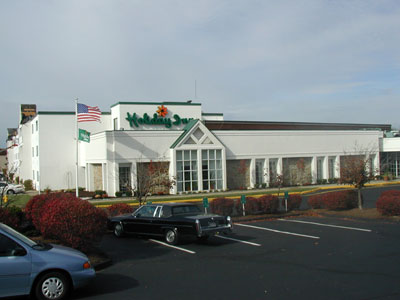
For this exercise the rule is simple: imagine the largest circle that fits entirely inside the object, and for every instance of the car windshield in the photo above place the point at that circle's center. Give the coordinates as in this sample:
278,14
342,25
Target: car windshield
18,235
185,209
145,211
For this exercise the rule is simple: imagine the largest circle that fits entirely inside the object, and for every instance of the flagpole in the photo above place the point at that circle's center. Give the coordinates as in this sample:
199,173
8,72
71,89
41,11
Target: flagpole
77,147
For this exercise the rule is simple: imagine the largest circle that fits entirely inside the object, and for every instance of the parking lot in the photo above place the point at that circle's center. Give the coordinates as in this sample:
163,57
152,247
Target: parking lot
323,258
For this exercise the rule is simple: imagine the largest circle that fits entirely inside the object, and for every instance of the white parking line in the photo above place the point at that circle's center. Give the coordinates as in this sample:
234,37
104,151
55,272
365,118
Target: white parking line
171,246
327,225
278,231
240,241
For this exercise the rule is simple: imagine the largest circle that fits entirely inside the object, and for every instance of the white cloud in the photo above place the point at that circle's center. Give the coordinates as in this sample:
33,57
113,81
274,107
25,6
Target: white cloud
265,60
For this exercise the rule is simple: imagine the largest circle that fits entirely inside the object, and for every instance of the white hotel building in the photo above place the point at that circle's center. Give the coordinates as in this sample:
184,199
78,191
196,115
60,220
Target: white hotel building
204,152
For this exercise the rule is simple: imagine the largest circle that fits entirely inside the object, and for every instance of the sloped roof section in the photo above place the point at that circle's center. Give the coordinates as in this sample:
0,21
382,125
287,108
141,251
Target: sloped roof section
187,129
196,134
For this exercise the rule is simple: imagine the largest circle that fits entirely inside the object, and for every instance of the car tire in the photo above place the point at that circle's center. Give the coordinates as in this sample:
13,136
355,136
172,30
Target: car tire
119,230
171,236
10,192
53,285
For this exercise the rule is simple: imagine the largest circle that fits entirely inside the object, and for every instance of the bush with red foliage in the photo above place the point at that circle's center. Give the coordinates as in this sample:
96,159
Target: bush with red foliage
223,206
252,206
75,223
72,221
293,202
33,209
119,209
340,200
388,203
391,193
269,204
315,201
9,218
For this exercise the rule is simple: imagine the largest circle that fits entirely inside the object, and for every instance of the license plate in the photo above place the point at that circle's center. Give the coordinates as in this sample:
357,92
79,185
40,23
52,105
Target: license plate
212,224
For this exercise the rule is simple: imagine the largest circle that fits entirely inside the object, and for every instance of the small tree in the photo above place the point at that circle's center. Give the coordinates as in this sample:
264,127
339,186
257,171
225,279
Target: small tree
357,170
152,177
279,183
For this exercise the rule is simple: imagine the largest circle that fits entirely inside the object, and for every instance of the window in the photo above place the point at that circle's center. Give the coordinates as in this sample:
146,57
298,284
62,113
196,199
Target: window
259,171
320,168
33,175
273,172
146,211
10,248
37,125
33,151
37,150
115,123
212,169
124,178
37,175
187,209
186,170
33,128
331,167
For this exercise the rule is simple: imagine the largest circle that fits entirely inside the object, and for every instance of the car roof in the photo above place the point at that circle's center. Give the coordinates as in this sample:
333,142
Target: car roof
171,204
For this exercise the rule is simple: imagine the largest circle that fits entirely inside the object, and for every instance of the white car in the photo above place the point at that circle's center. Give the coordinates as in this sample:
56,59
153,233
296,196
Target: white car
11,188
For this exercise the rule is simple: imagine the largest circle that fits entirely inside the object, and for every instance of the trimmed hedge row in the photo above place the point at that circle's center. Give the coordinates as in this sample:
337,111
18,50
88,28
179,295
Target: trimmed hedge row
119,209
267,204
334,200
388,203
62,216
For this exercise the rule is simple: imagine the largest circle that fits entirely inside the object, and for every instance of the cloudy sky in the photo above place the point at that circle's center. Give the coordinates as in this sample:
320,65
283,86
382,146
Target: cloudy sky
299,60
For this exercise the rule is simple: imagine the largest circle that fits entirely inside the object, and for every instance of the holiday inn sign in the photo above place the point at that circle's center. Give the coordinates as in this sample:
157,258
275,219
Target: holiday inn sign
158,118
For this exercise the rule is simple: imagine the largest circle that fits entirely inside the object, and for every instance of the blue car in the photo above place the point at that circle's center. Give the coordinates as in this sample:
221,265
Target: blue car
45,271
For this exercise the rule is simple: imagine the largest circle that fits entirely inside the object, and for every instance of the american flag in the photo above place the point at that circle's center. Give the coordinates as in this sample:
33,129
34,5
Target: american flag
88,113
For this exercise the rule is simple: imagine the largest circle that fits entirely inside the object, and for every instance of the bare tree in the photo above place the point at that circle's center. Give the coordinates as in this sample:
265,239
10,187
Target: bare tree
357,170
152,178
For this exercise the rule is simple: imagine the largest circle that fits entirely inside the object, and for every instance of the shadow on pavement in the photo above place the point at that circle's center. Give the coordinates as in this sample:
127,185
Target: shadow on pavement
105,284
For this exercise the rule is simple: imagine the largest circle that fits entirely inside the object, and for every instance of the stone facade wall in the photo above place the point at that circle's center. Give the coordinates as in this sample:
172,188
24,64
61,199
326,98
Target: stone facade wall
97,176
297,171
238,174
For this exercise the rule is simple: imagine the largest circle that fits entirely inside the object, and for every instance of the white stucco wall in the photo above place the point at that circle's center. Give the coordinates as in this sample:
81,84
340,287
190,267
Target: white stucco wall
57,149
260,144
391,144
112,148
25,151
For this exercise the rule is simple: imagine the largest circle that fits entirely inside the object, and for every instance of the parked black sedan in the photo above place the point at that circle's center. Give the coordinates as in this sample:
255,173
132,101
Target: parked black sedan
171,220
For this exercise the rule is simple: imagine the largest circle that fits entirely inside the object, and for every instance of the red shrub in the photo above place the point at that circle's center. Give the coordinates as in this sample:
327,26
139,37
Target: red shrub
293,202
395,193
33,208
340,200
119,209
315,201
75,222
388,203
269,204
223,206
9,218
252,206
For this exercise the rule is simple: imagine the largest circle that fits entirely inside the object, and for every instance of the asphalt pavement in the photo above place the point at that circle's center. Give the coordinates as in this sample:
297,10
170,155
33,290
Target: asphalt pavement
296,258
